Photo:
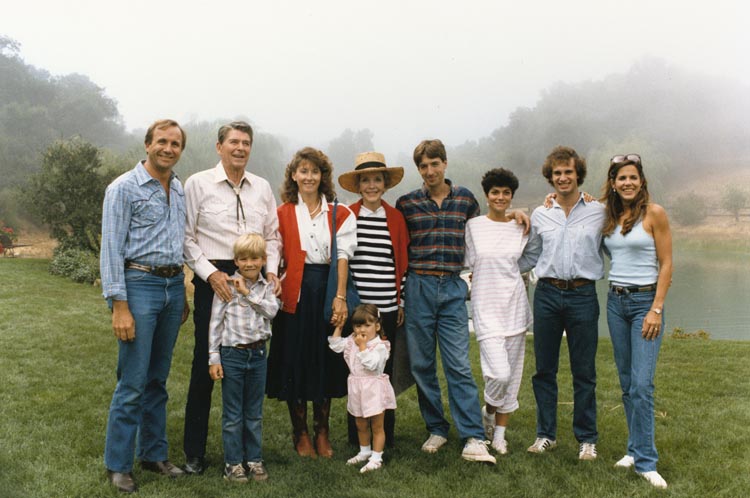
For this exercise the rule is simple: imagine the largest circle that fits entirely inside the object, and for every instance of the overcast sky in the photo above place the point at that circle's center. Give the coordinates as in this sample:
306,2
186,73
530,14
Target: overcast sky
405,69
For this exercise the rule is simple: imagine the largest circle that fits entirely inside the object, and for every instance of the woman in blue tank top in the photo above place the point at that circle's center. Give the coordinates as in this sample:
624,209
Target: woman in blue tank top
638,239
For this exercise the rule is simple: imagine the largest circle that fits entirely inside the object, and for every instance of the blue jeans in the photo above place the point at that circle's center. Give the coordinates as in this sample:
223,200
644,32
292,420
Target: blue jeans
242,391
635,358
139,404
436,314
575,311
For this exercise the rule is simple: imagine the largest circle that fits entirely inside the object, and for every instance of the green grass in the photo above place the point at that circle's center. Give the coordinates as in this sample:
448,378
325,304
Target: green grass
58,373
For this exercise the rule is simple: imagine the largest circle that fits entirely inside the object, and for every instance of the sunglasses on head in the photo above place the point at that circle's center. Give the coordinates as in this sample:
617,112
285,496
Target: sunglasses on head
627,157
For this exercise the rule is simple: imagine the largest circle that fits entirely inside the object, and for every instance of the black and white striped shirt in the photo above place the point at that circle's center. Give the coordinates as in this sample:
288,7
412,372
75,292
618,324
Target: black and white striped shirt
372,265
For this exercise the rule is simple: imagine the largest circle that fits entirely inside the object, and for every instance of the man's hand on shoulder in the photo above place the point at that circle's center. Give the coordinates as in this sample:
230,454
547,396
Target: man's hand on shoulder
219,282
275,282
123,324
522,219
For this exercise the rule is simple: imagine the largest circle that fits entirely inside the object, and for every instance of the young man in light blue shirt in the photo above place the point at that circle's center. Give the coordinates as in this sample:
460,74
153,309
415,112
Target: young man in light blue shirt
565,248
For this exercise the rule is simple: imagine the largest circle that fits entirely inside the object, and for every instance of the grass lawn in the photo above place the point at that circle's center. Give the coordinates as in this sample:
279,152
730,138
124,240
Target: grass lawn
58,374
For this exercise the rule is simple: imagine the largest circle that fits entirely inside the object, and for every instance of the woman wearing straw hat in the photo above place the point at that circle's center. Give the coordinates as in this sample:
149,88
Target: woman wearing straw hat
380,260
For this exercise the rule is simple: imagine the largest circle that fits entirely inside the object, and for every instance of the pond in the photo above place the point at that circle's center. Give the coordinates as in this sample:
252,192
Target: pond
710,291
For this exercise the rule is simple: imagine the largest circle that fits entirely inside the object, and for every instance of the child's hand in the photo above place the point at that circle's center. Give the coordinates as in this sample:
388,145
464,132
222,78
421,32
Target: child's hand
337,331
216,372
360,339
239,284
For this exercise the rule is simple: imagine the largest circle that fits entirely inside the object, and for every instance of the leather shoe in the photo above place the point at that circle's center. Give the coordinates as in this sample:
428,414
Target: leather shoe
194,465
122,481
165,468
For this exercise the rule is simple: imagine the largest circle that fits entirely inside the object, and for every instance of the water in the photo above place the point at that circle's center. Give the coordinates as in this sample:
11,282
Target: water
710,291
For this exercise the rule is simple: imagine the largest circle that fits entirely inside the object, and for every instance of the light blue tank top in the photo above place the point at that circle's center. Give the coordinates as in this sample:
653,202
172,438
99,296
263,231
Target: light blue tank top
633,257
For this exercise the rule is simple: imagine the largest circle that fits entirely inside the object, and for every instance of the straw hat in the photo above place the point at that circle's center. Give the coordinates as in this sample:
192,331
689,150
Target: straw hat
369,162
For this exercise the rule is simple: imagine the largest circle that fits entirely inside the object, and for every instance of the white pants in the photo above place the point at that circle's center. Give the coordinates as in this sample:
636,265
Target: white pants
502,369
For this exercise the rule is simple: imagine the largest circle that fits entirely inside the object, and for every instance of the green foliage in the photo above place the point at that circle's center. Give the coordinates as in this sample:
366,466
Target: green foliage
733,200
68,192
37,108
673,118
679,333
689,209
79,265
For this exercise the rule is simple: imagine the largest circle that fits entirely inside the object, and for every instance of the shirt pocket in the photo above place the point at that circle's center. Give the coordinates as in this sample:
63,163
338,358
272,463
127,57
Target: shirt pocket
146,213
215,210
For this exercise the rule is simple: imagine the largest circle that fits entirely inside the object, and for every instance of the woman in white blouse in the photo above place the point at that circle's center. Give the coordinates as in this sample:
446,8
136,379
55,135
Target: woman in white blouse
301,367
500,306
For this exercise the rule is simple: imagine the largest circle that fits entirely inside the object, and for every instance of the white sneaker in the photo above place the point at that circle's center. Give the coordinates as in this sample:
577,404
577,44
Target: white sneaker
476,451
587,451
541,445
359,458
488,420
371,465
654,479
500,445
433,443
625,462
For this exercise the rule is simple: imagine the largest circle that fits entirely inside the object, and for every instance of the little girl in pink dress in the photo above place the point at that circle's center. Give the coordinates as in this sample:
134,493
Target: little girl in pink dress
370,391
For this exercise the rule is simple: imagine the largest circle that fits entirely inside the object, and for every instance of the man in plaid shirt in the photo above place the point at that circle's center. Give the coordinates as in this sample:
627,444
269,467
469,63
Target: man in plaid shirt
434,300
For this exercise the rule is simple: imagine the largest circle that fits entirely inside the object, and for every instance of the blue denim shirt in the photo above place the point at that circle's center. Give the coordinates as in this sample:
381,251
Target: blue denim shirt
139,225
566,247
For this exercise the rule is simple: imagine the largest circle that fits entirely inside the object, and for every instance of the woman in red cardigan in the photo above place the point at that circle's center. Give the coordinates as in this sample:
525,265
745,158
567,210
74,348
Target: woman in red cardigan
301,367
380,260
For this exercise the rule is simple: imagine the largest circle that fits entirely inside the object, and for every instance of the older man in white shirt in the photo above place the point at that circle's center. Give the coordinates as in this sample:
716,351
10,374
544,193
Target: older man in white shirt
222,203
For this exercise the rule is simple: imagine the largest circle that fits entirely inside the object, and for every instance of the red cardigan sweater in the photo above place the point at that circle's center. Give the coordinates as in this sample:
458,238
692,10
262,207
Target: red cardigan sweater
294,256
399,238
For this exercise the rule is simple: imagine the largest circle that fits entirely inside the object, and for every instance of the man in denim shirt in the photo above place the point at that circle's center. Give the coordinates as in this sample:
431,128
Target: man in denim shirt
143,227
565,248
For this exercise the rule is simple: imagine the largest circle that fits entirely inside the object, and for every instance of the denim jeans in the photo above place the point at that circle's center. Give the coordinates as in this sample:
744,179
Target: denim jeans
575,311
242,391
435,309
635,358
139,404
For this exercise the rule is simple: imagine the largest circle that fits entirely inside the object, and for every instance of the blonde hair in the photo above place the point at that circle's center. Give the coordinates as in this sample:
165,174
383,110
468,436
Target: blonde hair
251,245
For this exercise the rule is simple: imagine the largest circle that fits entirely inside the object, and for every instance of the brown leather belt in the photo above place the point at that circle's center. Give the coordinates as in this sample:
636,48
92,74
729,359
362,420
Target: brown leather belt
168,271
629,290
253,345
433,273
567,284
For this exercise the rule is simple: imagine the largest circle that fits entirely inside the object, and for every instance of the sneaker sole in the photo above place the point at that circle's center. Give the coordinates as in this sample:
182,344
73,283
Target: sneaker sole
483,459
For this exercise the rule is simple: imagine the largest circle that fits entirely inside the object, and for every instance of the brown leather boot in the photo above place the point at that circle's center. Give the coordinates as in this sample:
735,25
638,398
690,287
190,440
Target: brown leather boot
300,437
321,414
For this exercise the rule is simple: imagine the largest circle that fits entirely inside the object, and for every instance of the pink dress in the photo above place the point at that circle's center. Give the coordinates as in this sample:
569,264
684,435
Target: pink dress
370,391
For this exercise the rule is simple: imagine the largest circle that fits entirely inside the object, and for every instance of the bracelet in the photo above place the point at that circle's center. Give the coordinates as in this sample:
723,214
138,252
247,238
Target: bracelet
339,296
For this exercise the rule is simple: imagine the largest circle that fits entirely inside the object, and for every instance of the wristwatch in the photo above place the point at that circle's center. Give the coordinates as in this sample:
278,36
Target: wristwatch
656,310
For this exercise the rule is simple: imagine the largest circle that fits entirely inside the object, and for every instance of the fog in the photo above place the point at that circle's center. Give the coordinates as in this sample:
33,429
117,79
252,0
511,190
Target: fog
405,70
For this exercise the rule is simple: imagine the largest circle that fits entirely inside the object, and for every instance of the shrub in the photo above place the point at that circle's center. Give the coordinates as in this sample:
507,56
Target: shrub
689,209
79,265
679,333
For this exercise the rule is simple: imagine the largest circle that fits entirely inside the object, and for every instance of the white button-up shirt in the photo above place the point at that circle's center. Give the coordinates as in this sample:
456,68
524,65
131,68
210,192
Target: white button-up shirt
215,221
315,235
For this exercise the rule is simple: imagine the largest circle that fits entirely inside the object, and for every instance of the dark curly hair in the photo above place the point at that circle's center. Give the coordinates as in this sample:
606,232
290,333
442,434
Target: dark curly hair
289,188
613,203
563,154
499,177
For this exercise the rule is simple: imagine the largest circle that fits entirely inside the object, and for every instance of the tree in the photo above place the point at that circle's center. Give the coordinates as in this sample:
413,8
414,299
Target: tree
689,209
733,200
67,194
